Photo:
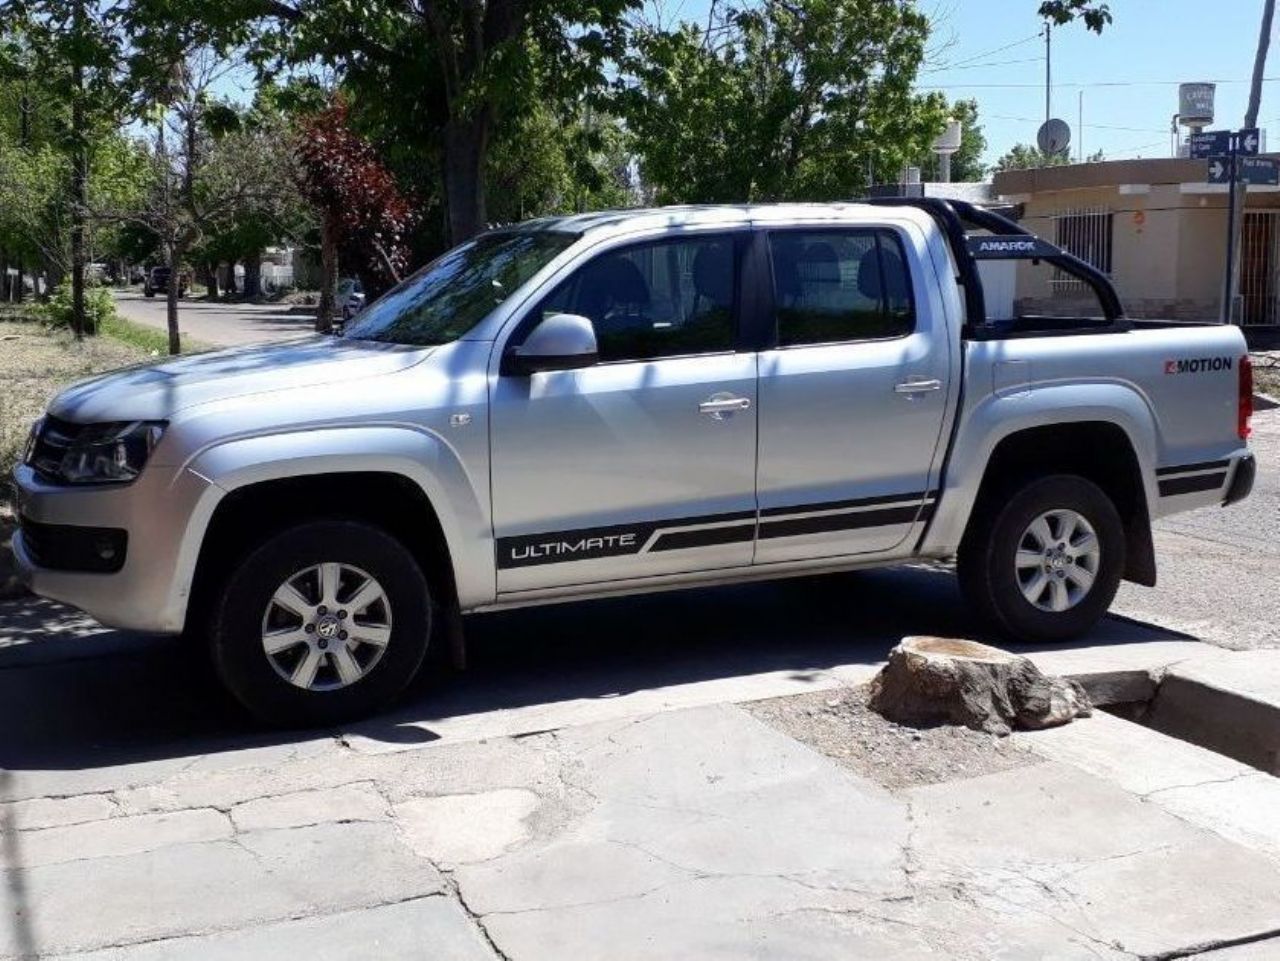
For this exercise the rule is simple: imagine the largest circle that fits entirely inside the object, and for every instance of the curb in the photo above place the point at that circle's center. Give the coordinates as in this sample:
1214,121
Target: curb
1228,703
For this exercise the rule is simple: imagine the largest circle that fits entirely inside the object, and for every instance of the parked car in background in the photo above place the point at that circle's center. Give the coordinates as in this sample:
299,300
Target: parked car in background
156,281
350,298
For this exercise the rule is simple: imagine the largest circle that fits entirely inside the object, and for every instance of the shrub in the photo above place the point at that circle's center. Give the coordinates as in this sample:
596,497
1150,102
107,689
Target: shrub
99,308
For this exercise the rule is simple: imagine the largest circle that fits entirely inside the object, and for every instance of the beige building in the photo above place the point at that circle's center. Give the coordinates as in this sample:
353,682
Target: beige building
1157,228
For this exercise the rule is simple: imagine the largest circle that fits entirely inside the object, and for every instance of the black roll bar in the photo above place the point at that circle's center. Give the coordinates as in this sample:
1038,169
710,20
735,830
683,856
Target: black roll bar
954,216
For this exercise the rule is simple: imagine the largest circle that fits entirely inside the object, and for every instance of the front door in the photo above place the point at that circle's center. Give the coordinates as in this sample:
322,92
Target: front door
644,464
852,395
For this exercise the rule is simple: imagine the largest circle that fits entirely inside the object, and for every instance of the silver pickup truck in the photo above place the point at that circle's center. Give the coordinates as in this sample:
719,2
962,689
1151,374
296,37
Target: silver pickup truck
632,401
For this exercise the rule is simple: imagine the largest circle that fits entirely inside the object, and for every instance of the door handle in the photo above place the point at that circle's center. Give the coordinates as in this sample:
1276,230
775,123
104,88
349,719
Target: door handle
917,386
718,407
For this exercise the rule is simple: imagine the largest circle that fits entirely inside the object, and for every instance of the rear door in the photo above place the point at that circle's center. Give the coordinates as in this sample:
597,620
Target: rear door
853,393
644,464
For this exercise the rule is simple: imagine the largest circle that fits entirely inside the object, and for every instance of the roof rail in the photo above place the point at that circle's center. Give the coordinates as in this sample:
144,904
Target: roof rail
955,217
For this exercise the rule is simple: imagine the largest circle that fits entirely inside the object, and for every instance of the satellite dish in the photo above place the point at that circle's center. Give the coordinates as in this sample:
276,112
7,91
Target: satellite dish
1054,136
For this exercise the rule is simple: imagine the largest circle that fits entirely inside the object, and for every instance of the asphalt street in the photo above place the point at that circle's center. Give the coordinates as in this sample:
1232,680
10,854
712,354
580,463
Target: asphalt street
216,324
1217,566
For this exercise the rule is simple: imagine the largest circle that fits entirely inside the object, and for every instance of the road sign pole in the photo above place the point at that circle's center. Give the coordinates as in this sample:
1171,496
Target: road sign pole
1228,280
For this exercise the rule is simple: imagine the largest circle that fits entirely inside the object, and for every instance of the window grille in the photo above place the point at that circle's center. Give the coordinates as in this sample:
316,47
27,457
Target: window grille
1085,232
1259,291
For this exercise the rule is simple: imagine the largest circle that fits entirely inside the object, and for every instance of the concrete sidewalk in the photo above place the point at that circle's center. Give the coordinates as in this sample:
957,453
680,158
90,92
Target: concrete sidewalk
699,833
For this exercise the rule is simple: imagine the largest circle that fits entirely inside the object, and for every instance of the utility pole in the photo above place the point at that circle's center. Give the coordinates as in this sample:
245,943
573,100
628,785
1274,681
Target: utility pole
1048,61
79,174
1080,130
1235,213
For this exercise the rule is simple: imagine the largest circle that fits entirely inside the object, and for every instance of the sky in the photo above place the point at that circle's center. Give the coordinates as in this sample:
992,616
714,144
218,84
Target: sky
1128,76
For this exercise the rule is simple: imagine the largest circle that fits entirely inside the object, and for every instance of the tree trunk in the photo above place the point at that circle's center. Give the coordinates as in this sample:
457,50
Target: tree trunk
253,275
171,299
466,143
20,283
232,287
211,281
933,680
79,180
328,273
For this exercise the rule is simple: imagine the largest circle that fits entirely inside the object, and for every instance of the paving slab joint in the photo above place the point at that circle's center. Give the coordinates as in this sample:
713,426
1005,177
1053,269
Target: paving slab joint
451,886
1210,947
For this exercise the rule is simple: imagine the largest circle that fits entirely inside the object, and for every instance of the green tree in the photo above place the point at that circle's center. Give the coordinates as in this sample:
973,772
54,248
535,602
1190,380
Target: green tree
1061,12
453,69
1023,156
794,100
75,49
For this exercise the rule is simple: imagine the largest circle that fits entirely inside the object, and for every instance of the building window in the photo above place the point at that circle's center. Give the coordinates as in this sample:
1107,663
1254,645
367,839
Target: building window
1087,234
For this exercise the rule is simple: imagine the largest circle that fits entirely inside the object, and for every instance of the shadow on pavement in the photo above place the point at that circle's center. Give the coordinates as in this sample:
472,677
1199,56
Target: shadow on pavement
73,698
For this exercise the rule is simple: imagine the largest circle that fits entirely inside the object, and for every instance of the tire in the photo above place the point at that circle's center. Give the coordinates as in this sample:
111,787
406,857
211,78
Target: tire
999,574
284,689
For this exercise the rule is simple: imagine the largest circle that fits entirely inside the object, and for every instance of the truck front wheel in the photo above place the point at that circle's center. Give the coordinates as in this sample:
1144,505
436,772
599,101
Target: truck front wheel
1044,564
324,622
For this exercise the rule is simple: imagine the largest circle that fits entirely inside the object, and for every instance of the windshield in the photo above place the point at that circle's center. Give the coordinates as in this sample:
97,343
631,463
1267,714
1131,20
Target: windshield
453,293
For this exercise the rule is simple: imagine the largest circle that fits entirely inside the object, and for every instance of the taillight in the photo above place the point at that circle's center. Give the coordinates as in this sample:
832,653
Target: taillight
1245,401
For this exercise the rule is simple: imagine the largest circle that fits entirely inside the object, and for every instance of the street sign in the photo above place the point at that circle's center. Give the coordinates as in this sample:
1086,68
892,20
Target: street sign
1247,141
1210,143
1259,171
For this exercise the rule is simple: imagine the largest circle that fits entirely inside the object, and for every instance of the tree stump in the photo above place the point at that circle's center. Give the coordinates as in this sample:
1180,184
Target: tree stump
931,680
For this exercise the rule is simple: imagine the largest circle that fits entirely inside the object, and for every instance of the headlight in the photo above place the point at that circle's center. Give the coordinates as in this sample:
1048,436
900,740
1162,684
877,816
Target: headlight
28,452
109,453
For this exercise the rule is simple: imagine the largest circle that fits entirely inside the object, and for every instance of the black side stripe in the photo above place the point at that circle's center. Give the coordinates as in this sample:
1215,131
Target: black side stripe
1188,468
707,537
845,505
593,543
1187,485
856,520
618,540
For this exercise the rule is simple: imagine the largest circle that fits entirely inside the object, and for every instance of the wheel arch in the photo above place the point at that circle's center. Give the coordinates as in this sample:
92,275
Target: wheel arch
1100,451
250,514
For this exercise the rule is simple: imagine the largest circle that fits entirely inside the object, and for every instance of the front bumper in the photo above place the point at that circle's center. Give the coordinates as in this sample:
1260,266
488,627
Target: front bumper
163,515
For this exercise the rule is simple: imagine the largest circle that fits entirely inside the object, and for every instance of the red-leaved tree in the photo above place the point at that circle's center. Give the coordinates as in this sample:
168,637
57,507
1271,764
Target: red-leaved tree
362,212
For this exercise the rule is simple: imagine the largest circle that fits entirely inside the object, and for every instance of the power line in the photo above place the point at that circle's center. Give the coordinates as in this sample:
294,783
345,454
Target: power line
989,63
987,53
1090,126
1101,83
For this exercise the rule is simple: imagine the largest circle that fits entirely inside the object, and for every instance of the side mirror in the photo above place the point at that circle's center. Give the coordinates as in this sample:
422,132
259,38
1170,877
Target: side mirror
559,342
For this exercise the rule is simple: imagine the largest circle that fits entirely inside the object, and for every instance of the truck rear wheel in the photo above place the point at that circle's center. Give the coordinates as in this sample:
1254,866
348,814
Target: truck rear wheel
322,623
1044,564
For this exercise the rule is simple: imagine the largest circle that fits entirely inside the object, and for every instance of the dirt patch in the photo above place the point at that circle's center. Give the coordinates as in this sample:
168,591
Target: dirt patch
1266,375
35,363
840,725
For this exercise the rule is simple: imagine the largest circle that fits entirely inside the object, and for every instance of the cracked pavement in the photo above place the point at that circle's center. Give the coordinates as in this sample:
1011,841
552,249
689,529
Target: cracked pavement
699,832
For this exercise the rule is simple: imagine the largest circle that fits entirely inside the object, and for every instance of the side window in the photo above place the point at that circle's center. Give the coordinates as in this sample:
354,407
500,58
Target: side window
840,285
654,300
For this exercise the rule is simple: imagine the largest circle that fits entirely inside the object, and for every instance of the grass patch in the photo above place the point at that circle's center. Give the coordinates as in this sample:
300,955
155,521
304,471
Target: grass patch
149,339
